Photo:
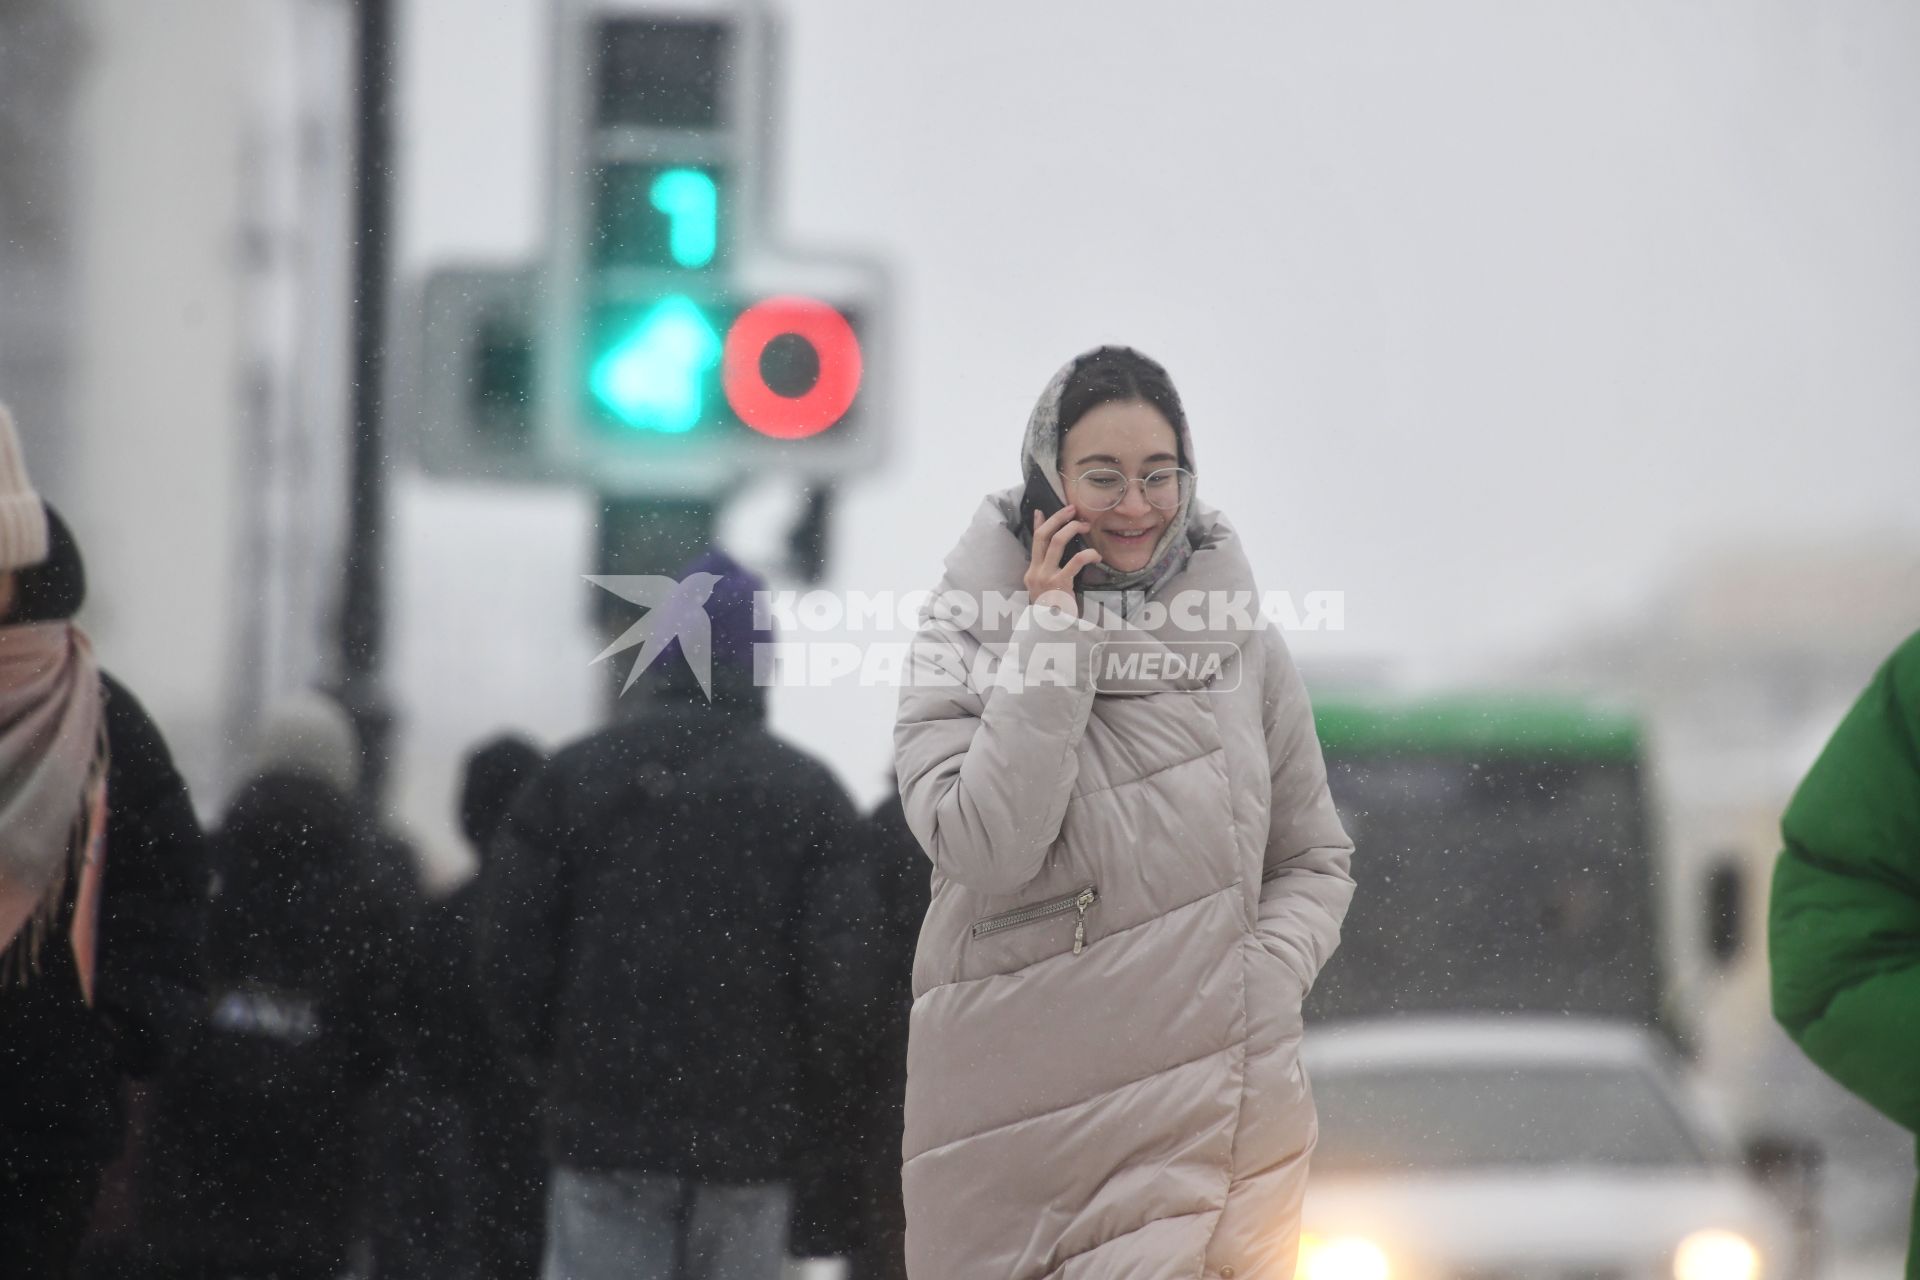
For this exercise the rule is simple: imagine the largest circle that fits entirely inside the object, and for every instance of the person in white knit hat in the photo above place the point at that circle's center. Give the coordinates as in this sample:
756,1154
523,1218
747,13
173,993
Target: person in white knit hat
309,733
102,885
23,517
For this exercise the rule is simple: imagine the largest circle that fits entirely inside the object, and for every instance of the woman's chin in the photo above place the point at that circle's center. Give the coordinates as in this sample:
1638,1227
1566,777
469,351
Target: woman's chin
1124,560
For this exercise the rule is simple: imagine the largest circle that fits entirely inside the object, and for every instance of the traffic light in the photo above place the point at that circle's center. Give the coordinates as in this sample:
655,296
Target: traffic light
664,345
651,370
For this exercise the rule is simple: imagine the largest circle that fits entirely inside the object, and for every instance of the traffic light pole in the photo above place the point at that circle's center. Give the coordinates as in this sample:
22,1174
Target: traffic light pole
363,605
807,545
658,536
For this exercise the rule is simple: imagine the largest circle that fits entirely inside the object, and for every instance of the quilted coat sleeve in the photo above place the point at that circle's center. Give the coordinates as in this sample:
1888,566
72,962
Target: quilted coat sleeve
986,772
1844,921
1306,882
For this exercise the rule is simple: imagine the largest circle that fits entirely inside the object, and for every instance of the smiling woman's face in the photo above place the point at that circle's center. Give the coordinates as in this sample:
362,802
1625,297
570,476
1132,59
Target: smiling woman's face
1133,438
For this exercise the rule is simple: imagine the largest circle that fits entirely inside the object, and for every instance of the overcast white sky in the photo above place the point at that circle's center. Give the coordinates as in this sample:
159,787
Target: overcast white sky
1490,315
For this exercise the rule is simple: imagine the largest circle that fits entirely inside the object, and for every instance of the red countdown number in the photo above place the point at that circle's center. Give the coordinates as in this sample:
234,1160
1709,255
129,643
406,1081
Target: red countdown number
833,342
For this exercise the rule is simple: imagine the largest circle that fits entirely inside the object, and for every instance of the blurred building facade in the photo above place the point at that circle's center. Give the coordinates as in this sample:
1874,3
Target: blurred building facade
40,48
175,189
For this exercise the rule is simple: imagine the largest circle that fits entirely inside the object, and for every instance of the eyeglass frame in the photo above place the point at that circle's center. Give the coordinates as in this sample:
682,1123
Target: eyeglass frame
1129,481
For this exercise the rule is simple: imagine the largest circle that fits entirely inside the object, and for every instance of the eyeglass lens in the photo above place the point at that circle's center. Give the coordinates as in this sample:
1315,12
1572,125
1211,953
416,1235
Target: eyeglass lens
1103,489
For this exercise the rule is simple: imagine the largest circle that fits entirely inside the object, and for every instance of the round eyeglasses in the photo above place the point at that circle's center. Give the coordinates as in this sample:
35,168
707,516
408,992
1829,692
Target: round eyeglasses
1103,488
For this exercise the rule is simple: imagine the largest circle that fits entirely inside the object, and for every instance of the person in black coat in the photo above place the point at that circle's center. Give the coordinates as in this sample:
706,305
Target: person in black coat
125,930
904,885
418,1224
673,935
503,1175
254,1146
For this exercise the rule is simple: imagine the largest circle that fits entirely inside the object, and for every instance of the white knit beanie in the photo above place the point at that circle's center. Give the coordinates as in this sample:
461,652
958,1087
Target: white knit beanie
23,517
311,735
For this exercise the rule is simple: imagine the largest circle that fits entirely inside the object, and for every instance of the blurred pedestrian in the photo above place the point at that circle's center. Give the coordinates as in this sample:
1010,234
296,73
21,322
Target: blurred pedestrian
672,931
1137,871
1844,926
254,1153
502,1173
900,878
419,1223
102,875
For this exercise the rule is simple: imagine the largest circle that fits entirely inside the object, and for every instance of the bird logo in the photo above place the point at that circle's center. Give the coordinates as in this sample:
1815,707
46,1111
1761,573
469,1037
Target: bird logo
676,610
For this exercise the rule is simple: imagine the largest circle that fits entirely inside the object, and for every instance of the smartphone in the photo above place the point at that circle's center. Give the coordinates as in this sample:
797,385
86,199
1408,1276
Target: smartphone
1041,497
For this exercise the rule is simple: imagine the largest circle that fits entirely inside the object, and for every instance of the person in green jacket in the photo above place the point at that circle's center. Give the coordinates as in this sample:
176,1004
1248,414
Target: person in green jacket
1844,927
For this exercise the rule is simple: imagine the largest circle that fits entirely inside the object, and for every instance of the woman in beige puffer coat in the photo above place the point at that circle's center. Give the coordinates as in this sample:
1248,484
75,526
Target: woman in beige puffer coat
1137,875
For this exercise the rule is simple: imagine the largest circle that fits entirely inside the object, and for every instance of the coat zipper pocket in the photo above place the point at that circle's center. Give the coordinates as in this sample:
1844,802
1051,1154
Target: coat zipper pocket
1077,902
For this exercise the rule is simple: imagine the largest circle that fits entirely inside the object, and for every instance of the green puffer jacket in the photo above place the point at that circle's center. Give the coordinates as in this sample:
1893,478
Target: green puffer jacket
1844,933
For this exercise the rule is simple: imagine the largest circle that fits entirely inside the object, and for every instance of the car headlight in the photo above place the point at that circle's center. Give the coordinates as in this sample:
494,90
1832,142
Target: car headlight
1716,1255
1341,1258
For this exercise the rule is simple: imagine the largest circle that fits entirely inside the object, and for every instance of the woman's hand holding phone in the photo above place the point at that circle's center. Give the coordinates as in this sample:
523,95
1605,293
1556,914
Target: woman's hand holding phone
1049,581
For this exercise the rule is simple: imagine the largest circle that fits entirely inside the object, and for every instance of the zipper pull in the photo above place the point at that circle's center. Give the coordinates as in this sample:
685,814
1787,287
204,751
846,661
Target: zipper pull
1080,904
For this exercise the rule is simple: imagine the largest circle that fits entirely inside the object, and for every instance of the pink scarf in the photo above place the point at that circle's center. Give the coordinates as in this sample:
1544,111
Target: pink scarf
53,794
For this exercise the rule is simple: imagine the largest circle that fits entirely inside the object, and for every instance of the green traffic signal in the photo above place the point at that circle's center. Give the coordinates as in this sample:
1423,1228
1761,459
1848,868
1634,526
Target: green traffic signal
650,216
691,202
653,376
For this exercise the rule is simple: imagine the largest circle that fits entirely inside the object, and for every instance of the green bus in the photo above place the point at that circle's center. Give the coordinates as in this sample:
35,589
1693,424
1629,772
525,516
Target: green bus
1504,860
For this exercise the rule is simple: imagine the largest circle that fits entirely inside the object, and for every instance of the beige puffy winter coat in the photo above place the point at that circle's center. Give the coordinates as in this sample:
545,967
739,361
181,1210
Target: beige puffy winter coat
1133,888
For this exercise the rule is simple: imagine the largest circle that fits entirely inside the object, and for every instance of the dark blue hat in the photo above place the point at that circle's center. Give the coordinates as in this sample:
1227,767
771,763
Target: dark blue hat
730,609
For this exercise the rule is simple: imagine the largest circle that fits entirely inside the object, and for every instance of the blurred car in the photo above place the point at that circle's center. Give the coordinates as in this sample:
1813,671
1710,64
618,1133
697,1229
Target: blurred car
1522,1148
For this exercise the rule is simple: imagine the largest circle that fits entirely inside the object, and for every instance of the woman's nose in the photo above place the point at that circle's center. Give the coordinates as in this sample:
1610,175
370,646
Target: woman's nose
1135,503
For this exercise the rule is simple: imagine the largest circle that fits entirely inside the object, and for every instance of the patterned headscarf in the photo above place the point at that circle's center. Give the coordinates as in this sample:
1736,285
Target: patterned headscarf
1040,450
